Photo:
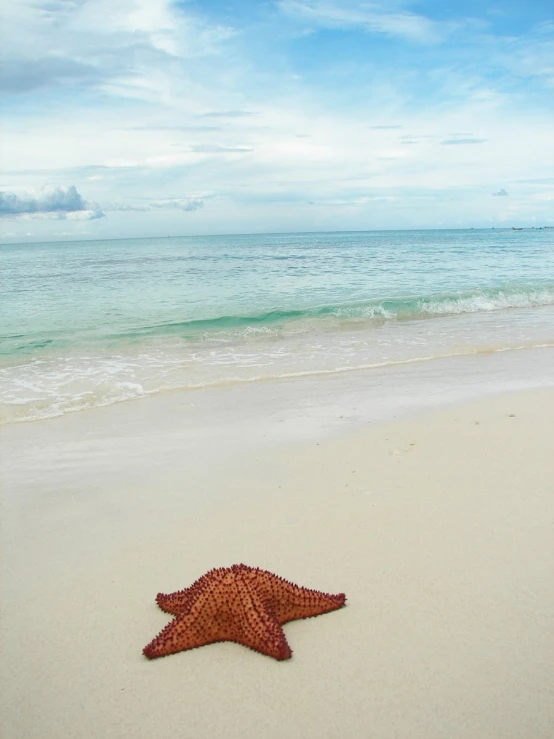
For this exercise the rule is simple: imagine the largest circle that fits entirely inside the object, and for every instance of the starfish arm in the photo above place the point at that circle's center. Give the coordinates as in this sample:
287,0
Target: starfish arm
182,600
255,627
176,603
289,602
184,632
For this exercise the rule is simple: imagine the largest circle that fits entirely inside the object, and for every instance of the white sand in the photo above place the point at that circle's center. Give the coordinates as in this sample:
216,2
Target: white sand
439,529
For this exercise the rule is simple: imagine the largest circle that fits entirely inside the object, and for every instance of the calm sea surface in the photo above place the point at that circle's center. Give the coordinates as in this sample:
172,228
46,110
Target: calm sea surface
85,324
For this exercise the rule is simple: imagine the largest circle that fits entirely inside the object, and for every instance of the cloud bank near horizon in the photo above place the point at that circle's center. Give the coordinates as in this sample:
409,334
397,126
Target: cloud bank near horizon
51,202
282,116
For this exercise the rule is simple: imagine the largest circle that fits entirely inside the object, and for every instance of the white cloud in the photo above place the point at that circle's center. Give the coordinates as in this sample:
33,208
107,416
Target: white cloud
462,141
51,202
117,46
123,207
216,149
227,114
182,204
374,17
186,204
529,56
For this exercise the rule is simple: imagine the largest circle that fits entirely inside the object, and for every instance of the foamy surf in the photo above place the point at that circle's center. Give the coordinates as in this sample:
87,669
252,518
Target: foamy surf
56,400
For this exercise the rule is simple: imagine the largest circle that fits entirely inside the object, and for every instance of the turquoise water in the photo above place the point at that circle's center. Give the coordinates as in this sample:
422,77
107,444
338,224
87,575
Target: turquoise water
96,322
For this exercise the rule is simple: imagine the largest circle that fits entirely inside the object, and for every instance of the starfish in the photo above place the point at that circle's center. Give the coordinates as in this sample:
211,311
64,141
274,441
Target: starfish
241,604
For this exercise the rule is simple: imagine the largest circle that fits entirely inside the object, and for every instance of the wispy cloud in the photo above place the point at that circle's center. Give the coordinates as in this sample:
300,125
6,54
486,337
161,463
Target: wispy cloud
462,141
213,149
181,204
411,139
115,46
185,204
540,181
375,17
25,75
227,114
124,207
502,193
176,128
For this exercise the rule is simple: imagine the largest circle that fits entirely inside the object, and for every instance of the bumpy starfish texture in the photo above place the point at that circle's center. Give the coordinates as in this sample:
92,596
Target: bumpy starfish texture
242,604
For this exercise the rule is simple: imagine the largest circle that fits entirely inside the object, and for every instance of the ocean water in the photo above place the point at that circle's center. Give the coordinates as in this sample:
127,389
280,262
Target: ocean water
91,323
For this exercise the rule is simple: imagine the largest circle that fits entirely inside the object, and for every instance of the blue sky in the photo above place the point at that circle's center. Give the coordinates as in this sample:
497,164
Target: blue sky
151,117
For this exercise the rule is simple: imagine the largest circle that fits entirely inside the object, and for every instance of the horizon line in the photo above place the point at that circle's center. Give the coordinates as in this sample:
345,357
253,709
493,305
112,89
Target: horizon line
276,233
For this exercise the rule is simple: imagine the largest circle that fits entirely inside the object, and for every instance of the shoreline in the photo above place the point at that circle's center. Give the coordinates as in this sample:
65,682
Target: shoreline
312,374
437,526
505,363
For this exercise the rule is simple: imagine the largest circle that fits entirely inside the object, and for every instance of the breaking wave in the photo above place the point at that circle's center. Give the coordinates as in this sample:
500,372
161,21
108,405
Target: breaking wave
379,310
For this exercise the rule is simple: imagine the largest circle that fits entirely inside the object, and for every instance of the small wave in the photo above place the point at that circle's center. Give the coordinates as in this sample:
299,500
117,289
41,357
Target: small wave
377,311
485,301
371,312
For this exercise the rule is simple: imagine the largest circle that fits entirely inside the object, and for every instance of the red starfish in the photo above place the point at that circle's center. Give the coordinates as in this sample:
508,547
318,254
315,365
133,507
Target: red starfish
240,604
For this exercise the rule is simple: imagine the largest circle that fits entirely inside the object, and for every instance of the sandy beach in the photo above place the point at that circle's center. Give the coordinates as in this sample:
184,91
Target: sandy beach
438,527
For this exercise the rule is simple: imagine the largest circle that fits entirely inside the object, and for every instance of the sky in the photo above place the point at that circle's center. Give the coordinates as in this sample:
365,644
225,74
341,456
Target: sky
155,117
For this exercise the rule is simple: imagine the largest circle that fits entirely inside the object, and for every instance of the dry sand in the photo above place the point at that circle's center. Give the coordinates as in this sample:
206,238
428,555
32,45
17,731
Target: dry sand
439,529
